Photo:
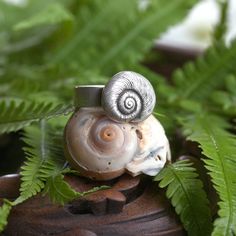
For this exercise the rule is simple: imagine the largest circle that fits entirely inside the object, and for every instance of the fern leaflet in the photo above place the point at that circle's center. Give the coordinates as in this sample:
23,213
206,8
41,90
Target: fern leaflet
186,193
54,13
196,79
220,147
35,170
126,43
59,190
15,115
4,213
226,99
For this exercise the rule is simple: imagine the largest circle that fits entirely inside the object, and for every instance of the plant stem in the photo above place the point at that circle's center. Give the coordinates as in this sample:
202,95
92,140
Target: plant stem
221,27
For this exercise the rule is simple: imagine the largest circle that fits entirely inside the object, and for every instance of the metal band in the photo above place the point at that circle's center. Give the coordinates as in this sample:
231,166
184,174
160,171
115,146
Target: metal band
88,95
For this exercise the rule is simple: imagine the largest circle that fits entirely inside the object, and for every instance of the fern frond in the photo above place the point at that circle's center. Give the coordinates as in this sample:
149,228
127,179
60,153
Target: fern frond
226,98
18,88
59,190
196,79
30,89
221,27
43,168
32,181
16,115
4,213
130,38
187,196
45,165
53,13
36,168
11,16
220,148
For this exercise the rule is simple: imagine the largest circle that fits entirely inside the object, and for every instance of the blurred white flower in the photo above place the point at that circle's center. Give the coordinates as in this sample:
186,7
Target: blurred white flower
196,30
143,4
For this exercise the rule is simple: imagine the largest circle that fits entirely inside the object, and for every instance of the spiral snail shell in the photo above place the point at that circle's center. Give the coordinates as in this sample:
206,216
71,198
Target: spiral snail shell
97,146
103,149
128,97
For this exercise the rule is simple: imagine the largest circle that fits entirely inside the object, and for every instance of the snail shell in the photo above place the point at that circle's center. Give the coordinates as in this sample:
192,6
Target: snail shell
122,135
128,96
103,149
97,146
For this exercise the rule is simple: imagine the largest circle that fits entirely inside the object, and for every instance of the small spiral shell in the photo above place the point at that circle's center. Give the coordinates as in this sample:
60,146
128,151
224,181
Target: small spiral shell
128,97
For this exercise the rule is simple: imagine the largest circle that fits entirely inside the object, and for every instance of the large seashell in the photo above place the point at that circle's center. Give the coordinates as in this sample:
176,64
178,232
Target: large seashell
154,149
128,96
97,146
103,149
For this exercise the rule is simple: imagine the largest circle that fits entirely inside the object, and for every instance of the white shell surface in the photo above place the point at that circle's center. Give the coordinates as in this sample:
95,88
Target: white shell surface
99,144
153,151
107,148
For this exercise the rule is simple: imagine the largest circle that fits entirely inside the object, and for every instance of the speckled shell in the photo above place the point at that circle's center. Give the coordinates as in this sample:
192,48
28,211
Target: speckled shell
97,146
153,151
128,97
103,149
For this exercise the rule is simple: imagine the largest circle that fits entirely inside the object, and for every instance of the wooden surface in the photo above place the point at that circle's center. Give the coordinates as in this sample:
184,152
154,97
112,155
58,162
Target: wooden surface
132,206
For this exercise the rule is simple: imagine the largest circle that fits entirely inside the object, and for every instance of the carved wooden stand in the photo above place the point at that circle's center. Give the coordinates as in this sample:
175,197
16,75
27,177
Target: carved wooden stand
132,206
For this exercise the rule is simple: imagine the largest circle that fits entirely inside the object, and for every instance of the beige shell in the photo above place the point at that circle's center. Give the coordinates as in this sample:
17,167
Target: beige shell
103,149
97,146
154,150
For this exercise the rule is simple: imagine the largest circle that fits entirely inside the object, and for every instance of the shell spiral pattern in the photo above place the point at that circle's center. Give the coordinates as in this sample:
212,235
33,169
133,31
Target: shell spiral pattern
128,97
97,146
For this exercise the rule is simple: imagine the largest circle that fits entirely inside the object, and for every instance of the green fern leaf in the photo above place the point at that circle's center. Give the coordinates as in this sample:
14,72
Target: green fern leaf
44,158
32,182
196,79
37,155
4,213
220,147
19,41
54,13
18,88
187,196
43,168
45,165
226,99
16,115
59,190
130,38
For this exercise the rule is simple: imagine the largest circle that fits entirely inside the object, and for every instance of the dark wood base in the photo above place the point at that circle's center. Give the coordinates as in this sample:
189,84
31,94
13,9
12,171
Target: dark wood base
132,206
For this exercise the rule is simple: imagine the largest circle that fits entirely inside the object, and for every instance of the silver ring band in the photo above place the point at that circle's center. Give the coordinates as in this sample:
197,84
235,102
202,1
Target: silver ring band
88,95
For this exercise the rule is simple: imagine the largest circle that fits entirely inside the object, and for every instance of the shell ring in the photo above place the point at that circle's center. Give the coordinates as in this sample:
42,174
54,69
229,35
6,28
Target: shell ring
113,131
